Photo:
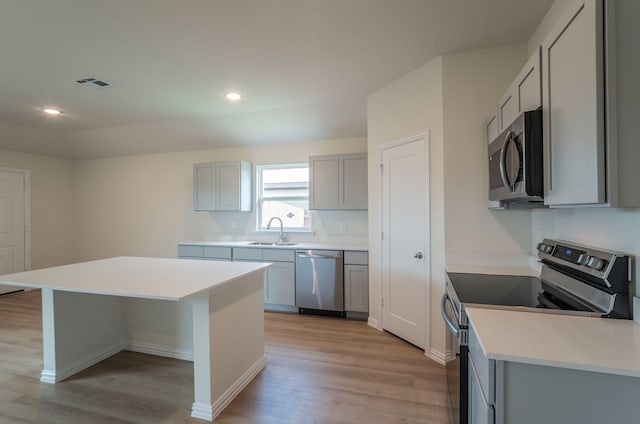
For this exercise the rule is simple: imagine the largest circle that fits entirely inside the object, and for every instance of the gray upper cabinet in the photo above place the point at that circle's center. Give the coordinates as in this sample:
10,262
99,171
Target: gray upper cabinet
590,95
573,87
222,186
492,127
338,181
525,93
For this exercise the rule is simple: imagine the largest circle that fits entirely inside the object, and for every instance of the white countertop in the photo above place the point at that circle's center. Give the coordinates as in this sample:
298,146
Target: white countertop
604,345
300,245
148,278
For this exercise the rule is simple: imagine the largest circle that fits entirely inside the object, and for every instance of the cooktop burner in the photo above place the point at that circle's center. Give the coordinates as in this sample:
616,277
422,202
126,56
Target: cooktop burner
502,290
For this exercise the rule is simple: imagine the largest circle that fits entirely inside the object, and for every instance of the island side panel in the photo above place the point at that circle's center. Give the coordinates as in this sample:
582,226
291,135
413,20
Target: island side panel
79,330
228,343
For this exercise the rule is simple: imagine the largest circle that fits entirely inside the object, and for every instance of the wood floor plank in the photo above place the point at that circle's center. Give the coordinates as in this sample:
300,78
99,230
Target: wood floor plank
319,370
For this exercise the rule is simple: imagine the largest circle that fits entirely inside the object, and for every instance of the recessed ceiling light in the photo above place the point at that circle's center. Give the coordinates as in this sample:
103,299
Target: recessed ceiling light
52,111
234,97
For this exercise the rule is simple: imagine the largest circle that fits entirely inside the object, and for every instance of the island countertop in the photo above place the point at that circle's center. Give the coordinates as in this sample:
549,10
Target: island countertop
148,278
603,345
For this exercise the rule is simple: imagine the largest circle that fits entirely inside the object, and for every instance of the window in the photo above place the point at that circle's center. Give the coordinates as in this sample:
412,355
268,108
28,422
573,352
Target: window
283,191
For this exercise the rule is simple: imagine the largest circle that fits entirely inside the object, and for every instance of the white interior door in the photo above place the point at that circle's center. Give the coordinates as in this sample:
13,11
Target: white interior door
12,224
405,239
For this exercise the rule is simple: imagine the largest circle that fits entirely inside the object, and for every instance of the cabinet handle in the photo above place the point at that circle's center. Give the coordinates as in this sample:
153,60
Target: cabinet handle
418,255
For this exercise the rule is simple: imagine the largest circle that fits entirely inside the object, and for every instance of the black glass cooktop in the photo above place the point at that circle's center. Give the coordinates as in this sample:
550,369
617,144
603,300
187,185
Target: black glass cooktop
503,290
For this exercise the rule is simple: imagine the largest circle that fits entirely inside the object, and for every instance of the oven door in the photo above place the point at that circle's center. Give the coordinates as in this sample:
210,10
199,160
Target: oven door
457,369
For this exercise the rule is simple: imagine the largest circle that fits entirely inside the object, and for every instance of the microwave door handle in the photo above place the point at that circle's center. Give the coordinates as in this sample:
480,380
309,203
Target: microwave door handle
503,161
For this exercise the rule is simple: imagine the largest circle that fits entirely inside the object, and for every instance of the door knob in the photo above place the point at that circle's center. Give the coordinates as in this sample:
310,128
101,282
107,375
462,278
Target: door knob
418,255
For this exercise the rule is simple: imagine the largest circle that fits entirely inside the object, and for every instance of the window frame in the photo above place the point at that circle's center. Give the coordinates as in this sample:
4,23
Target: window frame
260,199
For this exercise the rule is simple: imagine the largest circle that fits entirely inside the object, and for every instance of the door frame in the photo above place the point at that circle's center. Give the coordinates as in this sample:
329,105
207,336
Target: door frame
26,175
424,136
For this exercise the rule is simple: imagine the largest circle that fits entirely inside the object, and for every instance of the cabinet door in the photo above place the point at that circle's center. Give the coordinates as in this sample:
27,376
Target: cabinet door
480,412
356,288
204,187
228,186
492,127
353,189
508,108
528,84
190,251
525,93
280,285
573,96
323,182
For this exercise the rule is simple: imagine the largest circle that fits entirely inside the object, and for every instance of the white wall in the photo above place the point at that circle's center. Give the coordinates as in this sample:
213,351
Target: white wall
451,96
52,206
408,106
143,205
473,83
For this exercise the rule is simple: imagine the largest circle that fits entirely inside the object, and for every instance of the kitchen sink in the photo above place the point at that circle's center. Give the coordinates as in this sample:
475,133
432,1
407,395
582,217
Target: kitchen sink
266,243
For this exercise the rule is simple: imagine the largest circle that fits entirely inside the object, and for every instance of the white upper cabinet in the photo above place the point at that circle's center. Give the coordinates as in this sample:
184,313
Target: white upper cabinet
525,93
338,181
222,186
590,93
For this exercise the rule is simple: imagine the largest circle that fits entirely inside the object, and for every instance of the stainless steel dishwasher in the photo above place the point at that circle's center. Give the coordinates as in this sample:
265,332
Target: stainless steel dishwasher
320,282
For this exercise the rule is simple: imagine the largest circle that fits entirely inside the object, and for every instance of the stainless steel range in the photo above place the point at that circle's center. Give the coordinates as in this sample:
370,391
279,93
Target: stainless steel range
575,279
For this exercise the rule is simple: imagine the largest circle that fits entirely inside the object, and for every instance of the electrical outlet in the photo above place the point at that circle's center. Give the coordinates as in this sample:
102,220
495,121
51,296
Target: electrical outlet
343,227
234,225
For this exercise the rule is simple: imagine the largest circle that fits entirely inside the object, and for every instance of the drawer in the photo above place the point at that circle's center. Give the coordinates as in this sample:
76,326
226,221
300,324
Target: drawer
278,255
247,254
190,251
485,367
217,252
356,258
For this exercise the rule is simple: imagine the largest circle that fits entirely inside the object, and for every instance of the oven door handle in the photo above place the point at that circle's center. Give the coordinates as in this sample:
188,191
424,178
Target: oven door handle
443,311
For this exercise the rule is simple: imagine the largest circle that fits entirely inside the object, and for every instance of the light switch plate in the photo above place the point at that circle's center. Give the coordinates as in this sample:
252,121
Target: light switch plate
636,309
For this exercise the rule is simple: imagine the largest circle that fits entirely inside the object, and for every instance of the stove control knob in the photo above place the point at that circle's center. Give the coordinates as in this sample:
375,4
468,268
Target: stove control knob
583,259
544,248
595,263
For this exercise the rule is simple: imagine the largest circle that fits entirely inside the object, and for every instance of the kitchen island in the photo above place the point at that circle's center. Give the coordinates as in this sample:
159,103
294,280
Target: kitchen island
211,310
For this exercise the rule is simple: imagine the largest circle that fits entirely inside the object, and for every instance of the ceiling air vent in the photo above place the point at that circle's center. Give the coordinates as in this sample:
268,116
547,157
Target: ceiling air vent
93,82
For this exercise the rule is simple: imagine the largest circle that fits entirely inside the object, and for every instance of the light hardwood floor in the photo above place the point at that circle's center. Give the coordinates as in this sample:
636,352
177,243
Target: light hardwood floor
320,370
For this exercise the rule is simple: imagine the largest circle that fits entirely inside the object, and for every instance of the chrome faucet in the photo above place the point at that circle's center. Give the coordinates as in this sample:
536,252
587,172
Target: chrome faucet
282,238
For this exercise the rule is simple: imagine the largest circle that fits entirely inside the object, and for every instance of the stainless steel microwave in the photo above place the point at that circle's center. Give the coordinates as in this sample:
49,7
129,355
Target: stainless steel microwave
515,162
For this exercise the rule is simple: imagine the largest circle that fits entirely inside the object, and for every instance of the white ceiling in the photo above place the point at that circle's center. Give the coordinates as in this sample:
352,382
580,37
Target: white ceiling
305,67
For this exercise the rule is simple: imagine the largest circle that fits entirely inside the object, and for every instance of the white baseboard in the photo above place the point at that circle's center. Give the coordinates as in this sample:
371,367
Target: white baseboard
210,412
158,350
55,376
439,357
372,322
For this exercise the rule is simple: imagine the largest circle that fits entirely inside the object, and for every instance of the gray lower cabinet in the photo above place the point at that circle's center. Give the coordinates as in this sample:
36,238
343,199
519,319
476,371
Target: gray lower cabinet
280,278
356,281
504,392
